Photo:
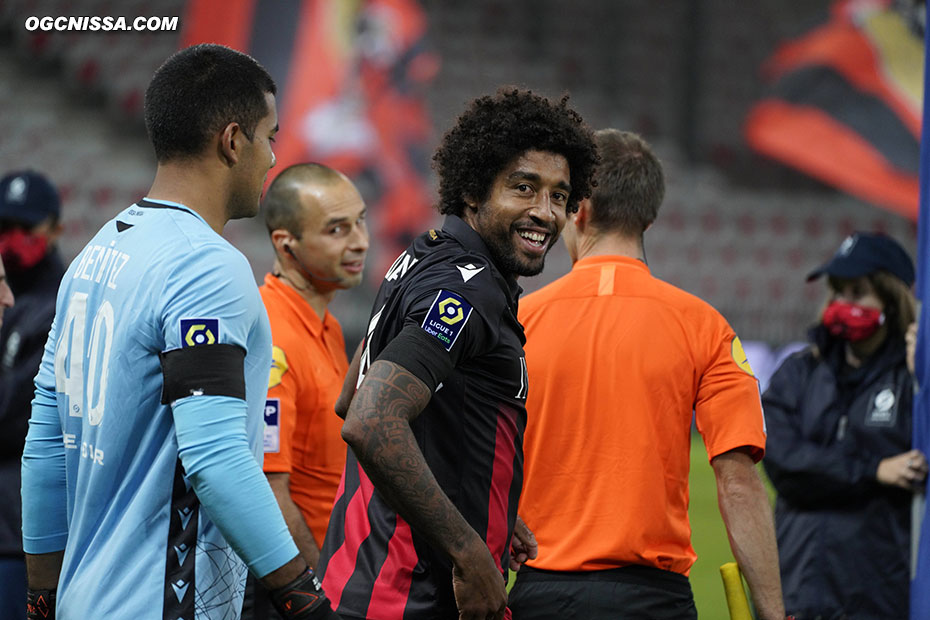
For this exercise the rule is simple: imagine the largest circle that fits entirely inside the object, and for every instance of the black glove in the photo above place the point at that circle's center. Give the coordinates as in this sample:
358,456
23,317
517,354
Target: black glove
40,604
303,599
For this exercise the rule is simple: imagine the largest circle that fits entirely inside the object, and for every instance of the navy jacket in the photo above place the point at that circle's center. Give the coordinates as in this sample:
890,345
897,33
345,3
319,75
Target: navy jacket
843,538
22,341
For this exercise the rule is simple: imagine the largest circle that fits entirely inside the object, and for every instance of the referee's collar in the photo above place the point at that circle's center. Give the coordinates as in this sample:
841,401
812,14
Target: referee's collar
471,240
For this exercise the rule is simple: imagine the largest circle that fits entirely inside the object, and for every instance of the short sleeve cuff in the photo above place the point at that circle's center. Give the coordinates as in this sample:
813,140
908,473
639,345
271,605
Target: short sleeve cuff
420,354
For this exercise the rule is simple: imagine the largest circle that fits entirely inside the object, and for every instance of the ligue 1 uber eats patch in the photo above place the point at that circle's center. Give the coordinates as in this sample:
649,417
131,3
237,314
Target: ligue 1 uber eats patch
447,318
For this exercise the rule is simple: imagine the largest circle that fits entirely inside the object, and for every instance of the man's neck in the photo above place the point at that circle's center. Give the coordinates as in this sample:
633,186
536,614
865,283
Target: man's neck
315,298
610,245
191,184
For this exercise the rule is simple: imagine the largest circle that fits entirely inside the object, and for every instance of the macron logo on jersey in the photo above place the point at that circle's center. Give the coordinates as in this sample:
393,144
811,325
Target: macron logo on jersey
469,271
196,332
446,318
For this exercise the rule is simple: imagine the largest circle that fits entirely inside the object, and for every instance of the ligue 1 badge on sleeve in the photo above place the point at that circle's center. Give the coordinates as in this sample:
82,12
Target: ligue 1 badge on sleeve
447,317
198,332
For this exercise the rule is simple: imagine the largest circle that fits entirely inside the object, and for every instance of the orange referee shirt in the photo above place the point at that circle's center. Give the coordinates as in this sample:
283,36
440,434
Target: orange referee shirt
617,361
302,431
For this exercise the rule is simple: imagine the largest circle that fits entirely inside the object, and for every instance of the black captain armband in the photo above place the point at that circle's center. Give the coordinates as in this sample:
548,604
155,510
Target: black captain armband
40,604
419,353
207,370
303,599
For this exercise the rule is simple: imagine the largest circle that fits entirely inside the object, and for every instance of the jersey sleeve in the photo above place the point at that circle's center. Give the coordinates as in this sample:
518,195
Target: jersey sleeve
454,318
44,490
728,408
280,411
210,300
441,329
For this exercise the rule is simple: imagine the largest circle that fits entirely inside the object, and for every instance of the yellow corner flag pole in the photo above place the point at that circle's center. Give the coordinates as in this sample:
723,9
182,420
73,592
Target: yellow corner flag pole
737,602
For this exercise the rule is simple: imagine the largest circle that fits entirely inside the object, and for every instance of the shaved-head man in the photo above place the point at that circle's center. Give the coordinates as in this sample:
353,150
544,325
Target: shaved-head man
316,219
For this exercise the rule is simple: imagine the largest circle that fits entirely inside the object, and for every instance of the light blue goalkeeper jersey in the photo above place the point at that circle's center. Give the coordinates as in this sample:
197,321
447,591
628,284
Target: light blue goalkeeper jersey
139,542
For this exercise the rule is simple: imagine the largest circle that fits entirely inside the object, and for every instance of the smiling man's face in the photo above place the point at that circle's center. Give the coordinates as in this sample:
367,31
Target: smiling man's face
525,211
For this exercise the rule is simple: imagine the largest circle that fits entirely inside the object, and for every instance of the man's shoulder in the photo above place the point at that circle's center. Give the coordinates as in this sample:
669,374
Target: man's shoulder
541,297
572,285
272,299
207,258
449,267
656,296
680,298
290,333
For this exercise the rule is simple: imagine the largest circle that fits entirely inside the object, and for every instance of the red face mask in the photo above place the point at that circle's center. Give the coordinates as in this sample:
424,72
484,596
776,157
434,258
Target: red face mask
851,321
21,250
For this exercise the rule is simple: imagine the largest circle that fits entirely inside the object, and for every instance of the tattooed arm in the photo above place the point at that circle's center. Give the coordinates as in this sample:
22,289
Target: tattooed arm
377,427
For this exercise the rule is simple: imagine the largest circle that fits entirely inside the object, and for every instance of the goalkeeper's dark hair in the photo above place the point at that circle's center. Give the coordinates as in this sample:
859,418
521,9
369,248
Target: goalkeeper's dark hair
197,92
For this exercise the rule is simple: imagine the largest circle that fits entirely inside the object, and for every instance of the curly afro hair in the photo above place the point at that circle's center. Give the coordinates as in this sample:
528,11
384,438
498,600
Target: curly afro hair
495,130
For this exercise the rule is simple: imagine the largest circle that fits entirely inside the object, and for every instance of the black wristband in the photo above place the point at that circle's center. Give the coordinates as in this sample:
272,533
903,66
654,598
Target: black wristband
40,604
302,599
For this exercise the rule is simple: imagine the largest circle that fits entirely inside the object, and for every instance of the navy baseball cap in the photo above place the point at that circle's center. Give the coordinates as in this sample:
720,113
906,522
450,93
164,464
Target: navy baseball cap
863,253
28,197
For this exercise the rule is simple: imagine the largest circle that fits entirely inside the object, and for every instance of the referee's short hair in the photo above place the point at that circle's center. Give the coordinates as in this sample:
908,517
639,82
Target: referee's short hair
282,207
197,92
630,183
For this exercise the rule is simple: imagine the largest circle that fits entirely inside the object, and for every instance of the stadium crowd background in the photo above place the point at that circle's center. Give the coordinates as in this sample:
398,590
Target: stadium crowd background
736,228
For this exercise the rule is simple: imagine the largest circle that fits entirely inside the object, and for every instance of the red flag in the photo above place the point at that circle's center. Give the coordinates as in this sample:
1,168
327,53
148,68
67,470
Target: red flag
845,104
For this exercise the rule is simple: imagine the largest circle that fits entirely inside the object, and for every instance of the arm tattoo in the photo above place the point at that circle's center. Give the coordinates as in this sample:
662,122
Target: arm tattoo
382,440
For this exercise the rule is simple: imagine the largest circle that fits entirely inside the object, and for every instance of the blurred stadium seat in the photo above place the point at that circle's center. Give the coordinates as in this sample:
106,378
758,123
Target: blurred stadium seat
735,230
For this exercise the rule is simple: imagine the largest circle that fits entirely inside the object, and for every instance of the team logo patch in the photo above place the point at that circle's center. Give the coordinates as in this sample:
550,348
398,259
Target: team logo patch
196,332
739,356
278,366
272,437
883,411
446,318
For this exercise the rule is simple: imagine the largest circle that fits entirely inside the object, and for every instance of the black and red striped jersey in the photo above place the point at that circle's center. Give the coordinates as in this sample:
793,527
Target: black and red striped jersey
470,433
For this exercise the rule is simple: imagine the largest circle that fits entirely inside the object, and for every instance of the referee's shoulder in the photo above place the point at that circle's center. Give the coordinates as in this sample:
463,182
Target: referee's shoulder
538,300
681,299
